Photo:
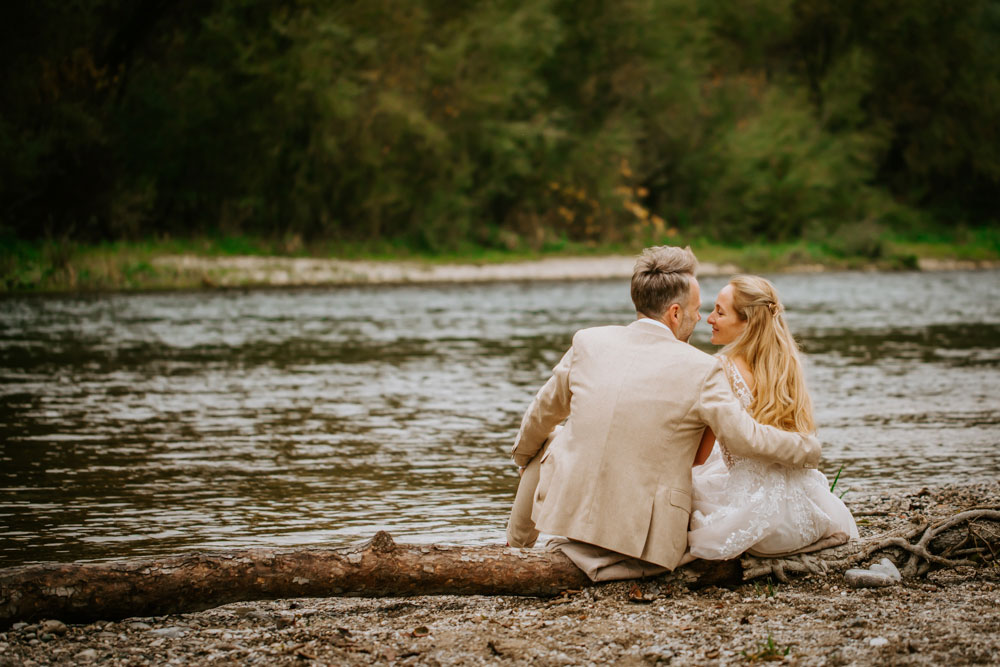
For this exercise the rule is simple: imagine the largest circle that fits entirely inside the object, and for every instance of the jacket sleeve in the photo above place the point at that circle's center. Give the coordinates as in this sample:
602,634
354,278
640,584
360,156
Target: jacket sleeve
549,408
719,408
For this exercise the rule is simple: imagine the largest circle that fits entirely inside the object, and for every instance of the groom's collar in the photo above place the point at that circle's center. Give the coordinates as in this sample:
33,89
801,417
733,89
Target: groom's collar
653,326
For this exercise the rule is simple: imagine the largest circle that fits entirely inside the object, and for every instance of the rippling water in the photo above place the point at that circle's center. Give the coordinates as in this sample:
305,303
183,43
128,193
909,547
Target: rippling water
151,424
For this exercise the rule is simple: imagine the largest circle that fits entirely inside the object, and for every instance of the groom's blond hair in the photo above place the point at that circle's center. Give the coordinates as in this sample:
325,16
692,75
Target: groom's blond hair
662,277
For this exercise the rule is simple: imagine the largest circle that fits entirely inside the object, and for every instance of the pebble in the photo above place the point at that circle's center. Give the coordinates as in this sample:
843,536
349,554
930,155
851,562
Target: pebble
54,627
19,626
139,625
658,652
259,616
877,641
86,655
867,579
173,632
887,567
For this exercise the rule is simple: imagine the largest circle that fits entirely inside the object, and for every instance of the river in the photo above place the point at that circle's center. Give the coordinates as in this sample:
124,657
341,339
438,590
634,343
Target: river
151,424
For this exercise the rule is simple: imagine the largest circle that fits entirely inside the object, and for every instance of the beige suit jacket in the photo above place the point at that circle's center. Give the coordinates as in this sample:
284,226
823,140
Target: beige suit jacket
637,401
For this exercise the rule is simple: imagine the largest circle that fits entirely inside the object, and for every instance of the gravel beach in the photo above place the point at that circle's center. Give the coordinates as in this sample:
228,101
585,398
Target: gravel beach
948,617
249,271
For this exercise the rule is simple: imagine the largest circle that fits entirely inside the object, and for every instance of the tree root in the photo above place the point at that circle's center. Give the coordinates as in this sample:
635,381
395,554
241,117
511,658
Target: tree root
919,557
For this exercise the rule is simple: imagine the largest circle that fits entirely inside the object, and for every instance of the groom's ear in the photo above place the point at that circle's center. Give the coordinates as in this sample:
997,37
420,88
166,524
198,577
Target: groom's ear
673,312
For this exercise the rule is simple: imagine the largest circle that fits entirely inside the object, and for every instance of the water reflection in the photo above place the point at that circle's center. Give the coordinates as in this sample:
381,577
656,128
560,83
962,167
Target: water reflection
148,424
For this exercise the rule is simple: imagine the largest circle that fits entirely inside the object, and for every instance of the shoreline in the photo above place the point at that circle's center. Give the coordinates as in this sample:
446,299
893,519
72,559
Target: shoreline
951,616
252,271
187,272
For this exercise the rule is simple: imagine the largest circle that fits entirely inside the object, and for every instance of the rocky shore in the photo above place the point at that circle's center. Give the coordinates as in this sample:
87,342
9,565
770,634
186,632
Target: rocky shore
951,616
300,271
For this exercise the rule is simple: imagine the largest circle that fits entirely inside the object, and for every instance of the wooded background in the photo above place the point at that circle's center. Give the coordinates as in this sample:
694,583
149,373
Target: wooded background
498,123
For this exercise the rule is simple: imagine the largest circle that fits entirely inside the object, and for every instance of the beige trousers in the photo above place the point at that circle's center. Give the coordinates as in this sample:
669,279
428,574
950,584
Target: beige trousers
521,531
598,563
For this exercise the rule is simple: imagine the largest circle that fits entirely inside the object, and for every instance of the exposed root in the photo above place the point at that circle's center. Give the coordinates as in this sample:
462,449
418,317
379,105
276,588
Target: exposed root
921,557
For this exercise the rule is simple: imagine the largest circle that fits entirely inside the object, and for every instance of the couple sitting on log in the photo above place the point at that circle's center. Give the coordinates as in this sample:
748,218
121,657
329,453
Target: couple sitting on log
617,451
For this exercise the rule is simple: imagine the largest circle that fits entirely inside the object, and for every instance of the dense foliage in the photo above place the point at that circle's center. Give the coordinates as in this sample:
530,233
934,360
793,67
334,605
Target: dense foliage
497,122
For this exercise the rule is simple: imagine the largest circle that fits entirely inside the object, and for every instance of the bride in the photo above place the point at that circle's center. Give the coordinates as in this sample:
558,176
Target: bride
743,504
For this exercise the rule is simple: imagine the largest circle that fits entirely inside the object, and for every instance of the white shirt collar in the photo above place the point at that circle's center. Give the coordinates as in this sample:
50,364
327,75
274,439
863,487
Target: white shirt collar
656,322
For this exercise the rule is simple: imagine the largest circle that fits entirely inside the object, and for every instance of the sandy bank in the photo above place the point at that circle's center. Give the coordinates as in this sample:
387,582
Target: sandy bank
289,271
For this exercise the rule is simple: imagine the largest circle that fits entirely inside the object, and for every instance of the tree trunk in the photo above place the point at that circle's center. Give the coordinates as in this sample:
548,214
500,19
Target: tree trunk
84,592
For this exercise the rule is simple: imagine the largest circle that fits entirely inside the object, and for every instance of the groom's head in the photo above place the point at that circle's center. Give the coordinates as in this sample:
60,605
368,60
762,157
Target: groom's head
664,288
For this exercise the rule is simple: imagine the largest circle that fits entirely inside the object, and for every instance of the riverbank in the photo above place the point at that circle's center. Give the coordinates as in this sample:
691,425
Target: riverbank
53,267
948,617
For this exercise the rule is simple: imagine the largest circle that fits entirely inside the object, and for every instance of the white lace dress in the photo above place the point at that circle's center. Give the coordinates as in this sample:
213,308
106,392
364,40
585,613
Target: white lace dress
765,508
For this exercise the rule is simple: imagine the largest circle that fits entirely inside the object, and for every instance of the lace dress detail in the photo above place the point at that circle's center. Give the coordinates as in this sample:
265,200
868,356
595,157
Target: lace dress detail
742,504
742,391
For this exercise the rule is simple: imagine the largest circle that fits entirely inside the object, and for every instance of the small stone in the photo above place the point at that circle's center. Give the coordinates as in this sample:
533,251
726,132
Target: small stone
19,626
258,615
47,637
875,642
34,642
887,567
172,632
867,579
658,652
139,625
55,627
86,655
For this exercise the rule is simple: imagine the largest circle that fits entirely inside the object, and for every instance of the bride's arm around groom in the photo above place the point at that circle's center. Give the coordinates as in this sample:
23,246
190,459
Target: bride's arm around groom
718,408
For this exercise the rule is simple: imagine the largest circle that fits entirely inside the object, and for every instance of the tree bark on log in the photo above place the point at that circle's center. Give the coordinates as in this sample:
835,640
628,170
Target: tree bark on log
82,592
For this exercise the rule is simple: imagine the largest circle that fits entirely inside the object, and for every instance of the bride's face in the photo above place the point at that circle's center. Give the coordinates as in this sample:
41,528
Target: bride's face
726,324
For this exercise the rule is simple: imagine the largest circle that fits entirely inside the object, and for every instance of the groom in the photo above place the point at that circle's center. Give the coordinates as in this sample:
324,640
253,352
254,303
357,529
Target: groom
616,478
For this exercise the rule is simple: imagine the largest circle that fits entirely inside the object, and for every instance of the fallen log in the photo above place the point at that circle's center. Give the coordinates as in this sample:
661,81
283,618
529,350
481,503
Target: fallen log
83,592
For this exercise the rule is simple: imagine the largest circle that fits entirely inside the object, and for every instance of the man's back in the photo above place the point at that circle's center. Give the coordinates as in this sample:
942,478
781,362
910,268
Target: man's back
619,474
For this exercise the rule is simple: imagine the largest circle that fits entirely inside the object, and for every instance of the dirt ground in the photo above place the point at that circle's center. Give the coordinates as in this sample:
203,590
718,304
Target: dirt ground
948,617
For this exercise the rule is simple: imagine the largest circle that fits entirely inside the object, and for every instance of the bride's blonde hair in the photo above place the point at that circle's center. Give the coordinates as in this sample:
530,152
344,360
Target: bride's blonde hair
767,345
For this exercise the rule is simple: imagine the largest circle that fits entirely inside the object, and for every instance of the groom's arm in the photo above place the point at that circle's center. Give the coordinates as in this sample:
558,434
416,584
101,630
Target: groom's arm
549,408
719,408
